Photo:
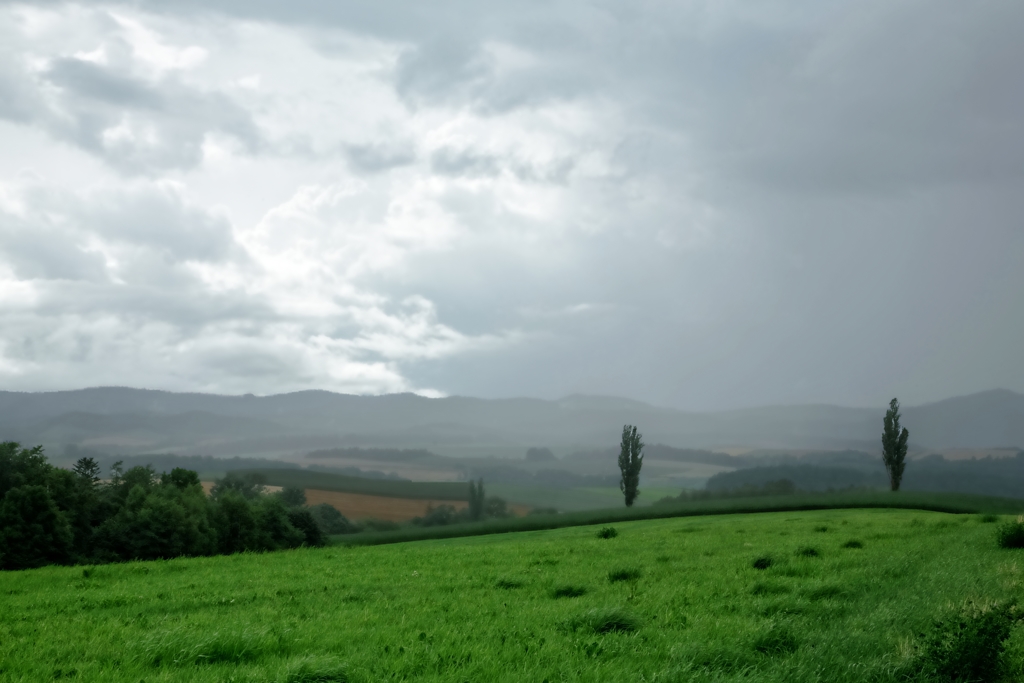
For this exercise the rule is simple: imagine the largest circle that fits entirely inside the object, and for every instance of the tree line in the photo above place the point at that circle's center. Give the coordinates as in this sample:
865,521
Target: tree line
50,515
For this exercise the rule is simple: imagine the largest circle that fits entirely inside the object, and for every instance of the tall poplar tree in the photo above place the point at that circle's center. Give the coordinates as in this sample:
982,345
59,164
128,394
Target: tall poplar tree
894,445
631,458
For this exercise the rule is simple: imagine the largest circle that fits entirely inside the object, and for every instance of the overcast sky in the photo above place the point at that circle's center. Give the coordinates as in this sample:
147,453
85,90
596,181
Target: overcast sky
697,204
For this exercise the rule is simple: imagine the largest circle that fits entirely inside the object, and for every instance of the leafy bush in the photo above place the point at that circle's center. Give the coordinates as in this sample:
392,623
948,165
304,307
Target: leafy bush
1011,534
607,532
966,646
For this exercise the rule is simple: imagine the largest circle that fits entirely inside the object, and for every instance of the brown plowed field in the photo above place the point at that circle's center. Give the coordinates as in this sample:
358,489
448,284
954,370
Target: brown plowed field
361,506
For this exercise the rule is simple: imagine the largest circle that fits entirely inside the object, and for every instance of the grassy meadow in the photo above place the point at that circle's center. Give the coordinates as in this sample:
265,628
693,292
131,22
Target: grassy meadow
842,595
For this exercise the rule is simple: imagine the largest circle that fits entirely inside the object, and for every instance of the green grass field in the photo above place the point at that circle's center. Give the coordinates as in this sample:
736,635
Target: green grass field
665,600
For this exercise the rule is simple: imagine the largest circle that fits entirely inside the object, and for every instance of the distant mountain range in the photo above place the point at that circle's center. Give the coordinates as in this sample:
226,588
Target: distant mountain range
128,421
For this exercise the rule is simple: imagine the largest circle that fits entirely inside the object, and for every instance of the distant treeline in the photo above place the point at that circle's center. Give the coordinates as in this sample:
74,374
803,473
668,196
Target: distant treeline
50,515
168,461
989,476
383,454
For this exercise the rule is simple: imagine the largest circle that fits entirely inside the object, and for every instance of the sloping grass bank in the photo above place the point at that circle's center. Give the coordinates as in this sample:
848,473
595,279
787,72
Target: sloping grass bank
935,502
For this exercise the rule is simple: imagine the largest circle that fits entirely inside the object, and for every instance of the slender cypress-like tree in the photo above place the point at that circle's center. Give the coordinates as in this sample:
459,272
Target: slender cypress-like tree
476,499
894,445
631,457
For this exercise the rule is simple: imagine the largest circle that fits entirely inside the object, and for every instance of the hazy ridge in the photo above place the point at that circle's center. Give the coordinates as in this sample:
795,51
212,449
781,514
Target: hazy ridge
124,420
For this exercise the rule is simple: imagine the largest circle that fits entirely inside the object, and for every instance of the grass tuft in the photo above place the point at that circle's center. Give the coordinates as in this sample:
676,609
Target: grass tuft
988,519
614,620
624,575
607,532
184,647
316,670
568,591
777,642
508,584
763,562
827,592
808,551
764,588
853,543
967,645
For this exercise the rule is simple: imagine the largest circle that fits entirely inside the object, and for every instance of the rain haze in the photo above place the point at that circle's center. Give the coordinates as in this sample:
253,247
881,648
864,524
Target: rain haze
698,205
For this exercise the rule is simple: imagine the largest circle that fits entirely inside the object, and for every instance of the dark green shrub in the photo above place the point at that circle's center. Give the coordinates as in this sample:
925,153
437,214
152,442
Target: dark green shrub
302,519
607,532
966,646
776,642
624,575
988,519
853,543
568,592
808,551
763,562
331,521
1011,534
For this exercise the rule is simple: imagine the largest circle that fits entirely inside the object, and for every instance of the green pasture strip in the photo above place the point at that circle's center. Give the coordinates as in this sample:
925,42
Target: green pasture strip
935,502
848,596
325,481
560,498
